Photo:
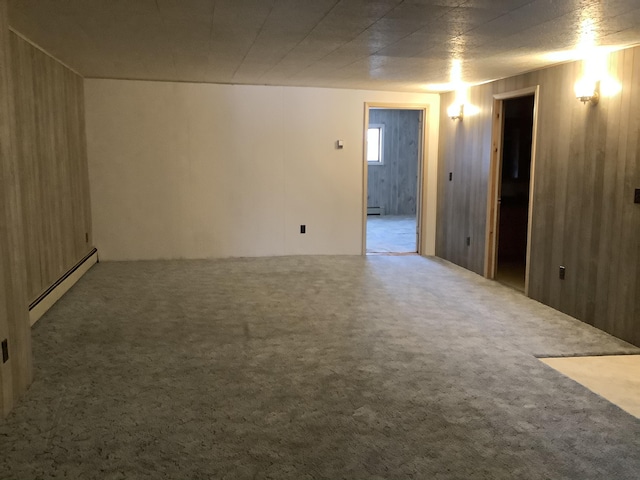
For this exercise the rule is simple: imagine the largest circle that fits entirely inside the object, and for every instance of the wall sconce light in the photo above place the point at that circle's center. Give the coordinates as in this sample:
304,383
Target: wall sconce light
456,111
587,90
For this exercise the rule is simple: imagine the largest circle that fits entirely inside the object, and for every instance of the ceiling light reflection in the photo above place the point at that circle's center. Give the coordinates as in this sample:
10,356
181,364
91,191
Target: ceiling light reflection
441,87
456,71
588,35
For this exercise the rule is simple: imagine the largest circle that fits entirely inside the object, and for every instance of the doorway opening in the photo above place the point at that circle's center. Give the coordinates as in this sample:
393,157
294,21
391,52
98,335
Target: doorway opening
511,188
393,148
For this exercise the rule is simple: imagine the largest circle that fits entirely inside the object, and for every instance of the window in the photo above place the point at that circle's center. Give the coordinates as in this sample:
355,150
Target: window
374,144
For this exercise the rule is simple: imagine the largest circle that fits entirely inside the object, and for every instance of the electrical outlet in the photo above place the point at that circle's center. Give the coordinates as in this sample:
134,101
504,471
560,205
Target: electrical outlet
86,237
468,241
562,272
303,229
636,197
5,351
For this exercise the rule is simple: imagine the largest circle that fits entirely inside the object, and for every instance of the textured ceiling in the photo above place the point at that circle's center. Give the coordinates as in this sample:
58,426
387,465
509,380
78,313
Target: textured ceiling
375,44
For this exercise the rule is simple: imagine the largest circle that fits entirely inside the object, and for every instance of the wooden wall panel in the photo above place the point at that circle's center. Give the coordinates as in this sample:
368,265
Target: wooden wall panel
461,200
16,373
51,146
394,184
587,167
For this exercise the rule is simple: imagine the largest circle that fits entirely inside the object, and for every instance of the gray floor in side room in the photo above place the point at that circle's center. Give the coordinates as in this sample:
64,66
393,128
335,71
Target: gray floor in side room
299,368
391,234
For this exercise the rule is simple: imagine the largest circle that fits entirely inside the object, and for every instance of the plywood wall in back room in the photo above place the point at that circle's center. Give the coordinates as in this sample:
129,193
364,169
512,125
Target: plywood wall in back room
51,145
181,170
393,185
586,169
15,374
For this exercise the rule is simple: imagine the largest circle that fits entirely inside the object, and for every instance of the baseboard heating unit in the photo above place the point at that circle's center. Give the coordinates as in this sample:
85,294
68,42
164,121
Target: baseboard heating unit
375,211
51,295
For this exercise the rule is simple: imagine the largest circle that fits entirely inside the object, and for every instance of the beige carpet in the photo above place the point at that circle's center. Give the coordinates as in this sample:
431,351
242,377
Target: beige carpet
310,368
614,377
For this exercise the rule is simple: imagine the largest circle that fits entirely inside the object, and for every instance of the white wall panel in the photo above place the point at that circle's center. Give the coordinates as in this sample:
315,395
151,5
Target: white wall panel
180,170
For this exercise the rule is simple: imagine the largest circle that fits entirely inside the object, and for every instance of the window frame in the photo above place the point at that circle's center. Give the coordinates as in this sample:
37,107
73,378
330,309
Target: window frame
380,127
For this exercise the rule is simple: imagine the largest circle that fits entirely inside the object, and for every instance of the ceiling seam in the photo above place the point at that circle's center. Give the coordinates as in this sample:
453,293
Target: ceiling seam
48,54
303,39
386,46
266,18
164,27
210,46
357,35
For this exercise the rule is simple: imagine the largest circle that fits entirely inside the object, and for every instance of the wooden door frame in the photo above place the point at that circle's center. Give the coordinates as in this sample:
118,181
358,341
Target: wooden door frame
495,169
422,161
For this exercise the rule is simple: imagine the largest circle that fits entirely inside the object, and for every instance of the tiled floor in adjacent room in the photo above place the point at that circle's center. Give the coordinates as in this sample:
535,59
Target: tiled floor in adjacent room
614,377
391,234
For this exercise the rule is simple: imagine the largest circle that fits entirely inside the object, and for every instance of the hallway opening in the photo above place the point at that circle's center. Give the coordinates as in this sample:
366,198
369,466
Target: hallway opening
393,152
510,197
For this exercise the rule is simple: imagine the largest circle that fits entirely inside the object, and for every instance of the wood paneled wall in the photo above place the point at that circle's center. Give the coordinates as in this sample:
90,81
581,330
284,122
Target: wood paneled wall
45,222
587,166
464,154
51,146
394,184
15,374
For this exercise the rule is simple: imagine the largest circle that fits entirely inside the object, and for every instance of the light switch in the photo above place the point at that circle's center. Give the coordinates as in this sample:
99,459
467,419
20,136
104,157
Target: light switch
339,144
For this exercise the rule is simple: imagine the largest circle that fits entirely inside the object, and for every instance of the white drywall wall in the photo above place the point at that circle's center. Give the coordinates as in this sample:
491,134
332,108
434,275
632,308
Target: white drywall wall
180,170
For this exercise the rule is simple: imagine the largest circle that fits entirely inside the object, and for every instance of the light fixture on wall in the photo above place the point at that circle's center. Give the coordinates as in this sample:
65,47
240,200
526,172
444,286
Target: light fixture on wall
461,106
587,90
456,111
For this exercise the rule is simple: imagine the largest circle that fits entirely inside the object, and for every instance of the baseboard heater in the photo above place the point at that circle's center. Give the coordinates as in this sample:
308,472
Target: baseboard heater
51,295
375,211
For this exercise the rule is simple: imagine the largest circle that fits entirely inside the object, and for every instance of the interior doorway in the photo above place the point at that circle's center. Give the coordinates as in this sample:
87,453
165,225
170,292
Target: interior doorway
512,175
393,150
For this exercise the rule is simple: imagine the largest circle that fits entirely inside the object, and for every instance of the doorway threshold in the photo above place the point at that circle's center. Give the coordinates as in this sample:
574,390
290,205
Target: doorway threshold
511,274
392,254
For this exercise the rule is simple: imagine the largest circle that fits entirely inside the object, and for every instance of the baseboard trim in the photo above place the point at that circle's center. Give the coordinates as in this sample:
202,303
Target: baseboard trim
51,295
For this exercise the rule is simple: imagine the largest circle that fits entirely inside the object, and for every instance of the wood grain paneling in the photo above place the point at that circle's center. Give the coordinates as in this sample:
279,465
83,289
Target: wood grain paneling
583,215
16,373
465,155
44,211
394,184
51,146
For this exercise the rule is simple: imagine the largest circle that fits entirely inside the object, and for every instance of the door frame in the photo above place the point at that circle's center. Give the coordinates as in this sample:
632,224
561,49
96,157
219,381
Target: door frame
422,161
495,170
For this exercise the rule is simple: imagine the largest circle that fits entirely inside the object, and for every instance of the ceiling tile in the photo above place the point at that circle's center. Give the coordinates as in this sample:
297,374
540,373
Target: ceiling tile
383,44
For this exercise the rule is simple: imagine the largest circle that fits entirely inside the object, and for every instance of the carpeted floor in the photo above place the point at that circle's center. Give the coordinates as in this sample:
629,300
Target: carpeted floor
310,368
